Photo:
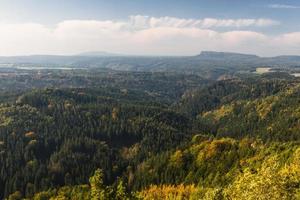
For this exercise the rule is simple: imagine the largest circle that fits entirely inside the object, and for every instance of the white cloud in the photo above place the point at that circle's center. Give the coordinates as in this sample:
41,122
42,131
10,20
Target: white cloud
283,6
141,22
144,35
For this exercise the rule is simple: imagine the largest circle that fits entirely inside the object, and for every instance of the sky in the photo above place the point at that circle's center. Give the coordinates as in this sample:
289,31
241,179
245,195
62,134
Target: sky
149,27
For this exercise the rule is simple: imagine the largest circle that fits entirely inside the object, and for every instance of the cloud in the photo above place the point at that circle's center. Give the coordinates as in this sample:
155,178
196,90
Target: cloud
141,22
283,6
190,41
142,35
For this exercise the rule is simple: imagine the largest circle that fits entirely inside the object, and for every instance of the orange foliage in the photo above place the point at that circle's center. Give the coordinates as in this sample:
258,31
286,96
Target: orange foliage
30,134
213,148
114,113
179,192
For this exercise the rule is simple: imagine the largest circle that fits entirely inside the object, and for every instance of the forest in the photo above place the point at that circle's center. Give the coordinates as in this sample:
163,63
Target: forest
112,134
149,100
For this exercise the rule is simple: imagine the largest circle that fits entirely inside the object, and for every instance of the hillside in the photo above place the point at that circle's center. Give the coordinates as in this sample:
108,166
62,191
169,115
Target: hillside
199,139
149,100
262,116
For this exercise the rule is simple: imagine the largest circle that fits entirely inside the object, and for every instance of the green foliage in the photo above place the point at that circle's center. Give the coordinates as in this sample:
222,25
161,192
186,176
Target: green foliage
121,193
268,118
154,136
15,196
98,190
270,181
277,177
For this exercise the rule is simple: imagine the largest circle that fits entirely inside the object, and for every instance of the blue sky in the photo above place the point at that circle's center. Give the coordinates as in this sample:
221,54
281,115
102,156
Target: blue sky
164,33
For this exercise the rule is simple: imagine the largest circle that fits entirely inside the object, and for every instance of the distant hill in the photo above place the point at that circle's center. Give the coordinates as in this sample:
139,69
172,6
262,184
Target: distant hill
225,55
208,64
100,57
98,54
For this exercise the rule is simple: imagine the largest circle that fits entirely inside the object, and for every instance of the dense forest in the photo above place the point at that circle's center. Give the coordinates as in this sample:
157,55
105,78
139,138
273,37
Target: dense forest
106,134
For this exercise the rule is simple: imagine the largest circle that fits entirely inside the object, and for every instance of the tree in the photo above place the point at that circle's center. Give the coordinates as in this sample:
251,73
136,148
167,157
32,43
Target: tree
121,191
15,196
98,190
266,183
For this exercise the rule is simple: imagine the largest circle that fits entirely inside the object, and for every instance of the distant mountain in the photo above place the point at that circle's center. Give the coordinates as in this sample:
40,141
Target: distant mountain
204,58
246,58
287,58
98,54
208,64
225,55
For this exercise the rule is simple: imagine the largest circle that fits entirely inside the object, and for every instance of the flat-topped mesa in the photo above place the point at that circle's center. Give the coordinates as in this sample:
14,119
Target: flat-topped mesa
225,55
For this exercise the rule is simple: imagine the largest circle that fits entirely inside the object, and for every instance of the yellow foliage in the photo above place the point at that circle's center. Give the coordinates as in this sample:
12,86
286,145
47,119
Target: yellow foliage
42,196
179,192
213,148
130,153
219,113
265,106
176,160
67,104
291,172
31,163
15,196
4,120
268,182
32,142
197,138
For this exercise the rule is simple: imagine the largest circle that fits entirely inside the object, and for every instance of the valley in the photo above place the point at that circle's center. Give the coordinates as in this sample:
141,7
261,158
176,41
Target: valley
148,134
